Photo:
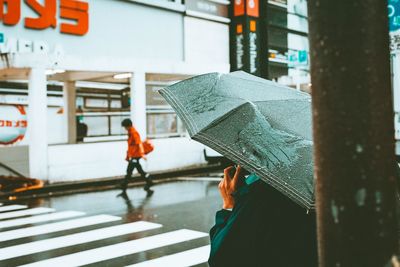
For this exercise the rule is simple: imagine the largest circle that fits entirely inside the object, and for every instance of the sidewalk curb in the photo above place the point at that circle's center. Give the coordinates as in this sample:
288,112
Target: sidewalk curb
105,183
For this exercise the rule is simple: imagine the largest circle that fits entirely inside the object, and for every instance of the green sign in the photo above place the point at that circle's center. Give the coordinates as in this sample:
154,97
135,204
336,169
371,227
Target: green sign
1,38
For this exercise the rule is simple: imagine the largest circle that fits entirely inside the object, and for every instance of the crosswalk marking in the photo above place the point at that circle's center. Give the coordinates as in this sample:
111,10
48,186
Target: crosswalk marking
56,227
12,207
119,250
74,239
182,259
20,213
40,218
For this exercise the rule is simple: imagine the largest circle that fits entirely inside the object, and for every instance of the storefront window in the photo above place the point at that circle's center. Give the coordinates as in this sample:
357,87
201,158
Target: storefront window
96,125
162,120
115,124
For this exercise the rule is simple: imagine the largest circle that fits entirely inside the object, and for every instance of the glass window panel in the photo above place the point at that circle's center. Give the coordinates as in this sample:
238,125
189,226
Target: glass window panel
96,103
277,37
181,127
277,17
297,7
116,128
96,125
297,42
153,98
297,23
116,104
162,124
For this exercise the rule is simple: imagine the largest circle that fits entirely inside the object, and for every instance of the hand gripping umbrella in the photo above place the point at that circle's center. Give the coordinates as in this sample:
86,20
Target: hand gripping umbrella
261,125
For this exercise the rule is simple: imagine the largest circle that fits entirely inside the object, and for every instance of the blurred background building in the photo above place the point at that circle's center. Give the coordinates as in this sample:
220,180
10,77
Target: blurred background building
71,71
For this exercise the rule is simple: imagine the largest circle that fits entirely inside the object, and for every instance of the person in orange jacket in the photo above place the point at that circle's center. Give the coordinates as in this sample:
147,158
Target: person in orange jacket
134,153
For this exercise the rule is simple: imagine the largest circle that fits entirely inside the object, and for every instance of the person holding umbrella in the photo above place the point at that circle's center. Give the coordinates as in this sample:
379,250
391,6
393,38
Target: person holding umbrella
134,153
259,226
268,216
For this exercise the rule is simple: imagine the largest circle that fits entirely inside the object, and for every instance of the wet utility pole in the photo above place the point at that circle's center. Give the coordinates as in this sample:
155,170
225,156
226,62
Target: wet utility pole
353,132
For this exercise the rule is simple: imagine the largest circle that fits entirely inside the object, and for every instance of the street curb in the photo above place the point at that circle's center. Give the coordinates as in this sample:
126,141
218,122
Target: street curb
106,183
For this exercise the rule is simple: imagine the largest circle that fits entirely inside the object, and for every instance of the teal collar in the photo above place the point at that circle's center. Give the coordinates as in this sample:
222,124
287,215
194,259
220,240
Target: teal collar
252,178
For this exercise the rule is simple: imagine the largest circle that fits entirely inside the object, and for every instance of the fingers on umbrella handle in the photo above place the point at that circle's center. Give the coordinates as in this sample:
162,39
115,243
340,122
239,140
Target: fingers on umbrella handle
229,173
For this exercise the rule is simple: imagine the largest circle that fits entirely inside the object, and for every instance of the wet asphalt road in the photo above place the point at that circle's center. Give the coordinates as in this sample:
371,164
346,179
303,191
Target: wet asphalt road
189,203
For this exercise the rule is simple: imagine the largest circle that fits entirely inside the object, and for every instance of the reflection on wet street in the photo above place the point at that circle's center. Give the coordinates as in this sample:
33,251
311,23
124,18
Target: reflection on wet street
105,228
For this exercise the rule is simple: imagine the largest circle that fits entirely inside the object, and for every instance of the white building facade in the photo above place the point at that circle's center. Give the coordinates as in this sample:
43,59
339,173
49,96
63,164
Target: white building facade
80,62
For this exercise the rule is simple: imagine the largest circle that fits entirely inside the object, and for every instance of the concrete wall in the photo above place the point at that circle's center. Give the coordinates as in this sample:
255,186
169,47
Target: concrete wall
106,159
206,41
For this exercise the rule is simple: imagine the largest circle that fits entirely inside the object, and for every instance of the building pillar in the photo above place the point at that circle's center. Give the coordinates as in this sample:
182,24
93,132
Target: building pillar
353,133
138,103
69,95
37,124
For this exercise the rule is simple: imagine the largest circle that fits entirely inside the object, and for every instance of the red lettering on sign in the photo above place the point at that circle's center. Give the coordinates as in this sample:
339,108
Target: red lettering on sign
253,8
75,10
13,14
78,11
16,124
238,8
46,12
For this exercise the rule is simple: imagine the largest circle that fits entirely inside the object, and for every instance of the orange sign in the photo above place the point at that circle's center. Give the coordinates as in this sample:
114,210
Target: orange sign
253,25
12,124
239,29
75,10
238,8
253,8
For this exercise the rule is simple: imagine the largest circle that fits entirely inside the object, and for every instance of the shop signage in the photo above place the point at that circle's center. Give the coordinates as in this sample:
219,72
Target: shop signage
245,36
69,10
207,7
394,24
13,45
13,124
1,38
297,58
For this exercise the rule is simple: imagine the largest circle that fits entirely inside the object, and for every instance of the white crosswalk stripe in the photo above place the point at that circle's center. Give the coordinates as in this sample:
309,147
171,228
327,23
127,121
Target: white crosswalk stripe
121,249
74,239
40,218
56,227
181,259
20,213
19,248
12,207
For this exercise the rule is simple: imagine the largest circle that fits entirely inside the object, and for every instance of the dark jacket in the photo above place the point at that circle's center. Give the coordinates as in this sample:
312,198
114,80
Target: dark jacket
266,229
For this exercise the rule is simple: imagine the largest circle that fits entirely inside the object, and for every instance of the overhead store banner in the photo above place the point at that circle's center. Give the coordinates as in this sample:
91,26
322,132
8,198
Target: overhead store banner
207,9
245,36
13,124
74,15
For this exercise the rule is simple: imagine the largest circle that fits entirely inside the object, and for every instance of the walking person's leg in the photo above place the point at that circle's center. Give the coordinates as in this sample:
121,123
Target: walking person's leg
128,176
144,175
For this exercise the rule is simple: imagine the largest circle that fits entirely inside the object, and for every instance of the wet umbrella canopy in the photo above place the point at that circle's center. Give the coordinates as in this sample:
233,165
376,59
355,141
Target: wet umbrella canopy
261,125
